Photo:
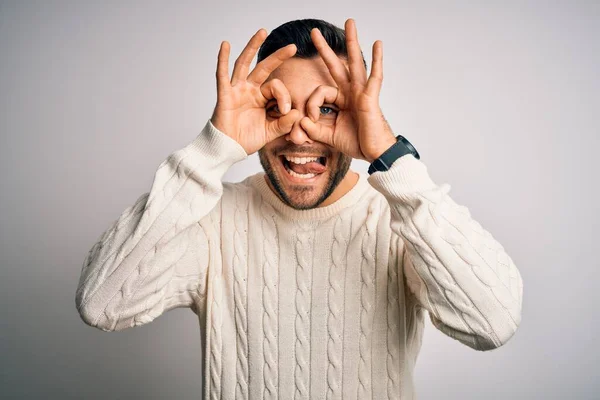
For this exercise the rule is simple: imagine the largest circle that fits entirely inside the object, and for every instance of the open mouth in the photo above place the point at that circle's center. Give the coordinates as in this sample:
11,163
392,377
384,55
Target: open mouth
303,169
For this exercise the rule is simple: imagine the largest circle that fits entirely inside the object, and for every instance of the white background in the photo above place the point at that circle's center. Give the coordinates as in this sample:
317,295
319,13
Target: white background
500,98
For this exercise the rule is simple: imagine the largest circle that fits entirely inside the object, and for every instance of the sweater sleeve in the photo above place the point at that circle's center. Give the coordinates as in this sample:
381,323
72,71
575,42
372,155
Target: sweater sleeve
151,259
455,269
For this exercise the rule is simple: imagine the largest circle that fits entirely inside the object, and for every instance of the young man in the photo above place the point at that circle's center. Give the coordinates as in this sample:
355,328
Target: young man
309,280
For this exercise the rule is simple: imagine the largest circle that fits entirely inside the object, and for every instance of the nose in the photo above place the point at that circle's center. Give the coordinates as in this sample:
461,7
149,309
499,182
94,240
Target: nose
298,135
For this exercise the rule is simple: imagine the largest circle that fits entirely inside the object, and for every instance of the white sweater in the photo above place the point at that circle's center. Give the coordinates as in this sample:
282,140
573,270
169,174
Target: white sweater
326,303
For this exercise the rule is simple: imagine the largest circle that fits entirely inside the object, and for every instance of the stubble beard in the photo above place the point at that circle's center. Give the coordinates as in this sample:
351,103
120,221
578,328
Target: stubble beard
336,175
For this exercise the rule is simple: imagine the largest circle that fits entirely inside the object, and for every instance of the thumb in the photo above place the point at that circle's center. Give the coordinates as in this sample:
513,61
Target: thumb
282,125
316,131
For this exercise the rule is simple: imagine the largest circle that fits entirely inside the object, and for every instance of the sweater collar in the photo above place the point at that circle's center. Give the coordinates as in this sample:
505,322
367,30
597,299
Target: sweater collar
258,181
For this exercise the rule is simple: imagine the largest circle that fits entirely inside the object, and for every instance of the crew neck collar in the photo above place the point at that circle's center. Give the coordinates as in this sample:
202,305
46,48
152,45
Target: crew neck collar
258,181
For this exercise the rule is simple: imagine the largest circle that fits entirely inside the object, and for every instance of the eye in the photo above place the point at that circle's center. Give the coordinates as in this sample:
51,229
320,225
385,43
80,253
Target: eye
324,109
327,108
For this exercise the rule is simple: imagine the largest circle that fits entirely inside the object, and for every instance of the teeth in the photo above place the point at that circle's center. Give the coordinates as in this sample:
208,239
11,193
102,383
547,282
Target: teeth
301,160
297,175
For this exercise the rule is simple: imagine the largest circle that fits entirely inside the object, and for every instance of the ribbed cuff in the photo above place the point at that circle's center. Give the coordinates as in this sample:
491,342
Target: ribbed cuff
406,175
214,143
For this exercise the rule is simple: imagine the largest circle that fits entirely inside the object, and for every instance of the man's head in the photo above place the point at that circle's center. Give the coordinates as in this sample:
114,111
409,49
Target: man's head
287,160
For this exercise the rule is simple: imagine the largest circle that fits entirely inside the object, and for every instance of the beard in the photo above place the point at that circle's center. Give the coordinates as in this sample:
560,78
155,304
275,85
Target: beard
302,200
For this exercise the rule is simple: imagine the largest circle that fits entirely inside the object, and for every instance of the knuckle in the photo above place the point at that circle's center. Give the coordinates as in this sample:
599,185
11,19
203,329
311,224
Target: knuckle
280,89
239,61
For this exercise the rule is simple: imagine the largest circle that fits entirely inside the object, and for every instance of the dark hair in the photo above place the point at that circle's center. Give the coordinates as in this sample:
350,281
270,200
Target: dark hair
298,33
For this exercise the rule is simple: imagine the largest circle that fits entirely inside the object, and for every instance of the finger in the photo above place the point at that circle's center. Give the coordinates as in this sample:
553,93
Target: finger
376,78
277,90
321,95
334,64
264,68
355,61
242,64
319,132
281,126
223,68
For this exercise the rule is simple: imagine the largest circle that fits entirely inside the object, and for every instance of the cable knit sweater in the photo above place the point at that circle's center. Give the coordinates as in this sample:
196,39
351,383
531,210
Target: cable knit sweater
326,303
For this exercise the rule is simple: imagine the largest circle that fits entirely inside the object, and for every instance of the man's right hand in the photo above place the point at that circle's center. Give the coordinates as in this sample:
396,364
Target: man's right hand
240,111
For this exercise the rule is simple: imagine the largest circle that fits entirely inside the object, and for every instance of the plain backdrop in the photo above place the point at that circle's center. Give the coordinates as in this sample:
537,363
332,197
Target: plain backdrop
500,98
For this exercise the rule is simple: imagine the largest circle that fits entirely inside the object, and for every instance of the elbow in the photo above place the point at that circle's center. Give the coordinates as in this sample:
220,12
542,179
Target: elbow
487,343
481,340
506,322
90,316
510,320
108,320
510,328
500,336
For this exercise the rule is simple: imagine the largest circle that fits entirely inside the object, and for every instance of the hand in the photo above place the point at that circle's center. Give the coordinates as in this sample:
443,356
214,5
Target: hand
360,129
240,111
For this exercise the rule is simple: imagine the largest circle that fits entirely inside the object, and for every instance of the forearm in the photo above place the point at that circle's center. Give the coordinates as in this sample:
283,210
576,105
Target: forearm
132,266
455,268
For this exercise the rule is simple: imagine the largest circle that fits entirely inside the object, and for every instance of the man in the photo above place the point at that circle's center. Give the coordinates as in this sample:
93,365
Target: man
309,280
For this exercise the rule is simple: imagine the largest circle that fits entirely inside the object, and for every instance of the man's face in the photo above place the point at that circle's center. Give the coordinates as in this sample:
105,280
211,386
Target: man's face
289,174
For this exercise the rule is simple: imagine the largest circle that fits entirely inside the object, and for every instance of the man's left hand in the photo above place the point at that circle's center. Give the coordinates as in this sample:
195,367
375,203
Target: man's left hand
360,129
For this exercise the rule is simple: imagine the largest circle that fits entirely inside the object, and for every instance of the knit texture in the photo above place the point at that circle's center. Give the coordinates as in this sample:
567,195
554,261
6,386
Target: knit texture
326,303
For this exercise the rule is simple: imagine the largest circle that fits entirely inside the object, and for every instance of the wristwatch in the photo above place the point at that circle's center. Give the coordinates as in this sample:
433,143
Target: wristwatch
397,150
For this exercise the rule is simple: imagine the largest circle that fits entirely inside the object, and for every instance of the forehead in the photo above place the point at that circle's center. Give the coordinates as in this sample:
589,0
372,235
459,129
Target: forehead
302,76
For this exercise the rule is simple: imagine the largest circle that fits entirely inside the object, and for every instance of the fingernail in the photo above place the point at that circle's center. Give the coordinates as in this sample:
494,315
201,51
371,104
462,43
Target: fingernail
286,108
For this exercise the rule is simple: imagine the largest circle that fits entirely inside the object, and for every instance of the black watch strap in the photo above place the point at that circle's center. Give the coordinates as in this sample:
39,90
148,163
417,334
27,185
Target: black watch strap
397,150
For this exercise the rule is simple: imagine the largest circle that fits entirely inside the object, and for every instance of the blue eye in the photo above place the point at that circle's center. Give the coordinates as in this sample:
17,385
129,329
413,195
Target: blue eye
324,110
328,108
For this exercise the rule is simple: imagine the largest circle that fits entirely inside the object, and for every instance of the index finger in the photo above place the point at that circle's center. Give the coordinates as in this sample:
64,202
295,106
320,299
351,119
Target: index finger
336,68
240,68
264,68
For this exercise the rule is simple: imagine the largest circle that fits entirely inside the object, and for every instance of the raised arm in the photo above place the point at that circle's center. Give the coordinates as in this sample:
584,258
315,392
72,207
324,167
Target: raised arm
454,267
152,258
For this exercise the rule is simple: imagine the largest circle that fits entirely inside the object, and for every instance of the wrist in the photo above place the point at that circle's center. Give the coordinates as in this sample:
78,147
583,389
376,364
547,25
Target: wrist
382,148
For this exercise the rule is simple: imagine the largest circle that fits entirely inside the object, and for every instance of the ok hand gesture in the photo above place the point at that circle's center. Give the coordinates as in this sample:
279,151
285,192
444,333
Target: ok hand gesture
360,129
240,111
